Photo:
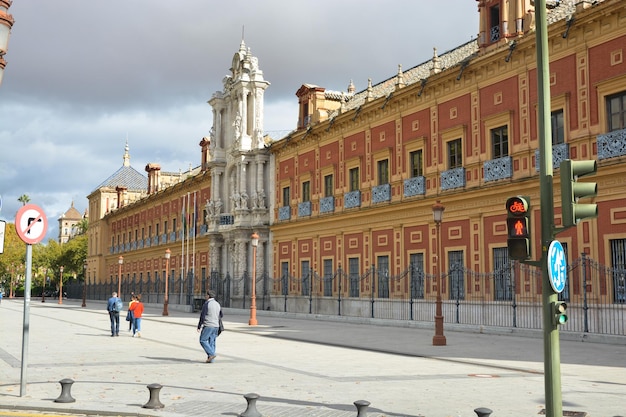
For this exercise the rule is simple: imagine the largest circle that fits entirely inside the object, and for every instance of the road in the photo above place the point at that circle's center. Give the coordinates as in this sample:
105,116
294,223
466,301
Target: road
298,367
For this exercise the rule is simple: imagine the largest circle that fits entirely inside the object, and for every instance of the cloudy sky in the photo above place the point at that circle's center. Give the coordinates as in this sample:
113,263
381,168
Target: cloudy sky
84,76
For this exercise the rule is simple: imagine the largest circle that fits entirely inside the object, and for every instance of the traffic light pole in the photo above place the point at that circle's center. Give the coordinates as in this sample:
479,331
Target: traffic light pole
551,345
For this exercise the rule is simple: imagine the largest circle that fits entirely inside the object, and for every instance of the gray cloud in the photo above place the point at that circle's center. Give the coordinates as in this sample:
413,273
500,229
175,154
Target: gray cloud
83,76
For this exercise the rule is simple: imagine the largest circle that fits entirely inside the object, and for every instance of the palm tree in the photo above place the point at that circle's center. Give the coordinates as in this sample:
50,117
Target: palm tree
24,198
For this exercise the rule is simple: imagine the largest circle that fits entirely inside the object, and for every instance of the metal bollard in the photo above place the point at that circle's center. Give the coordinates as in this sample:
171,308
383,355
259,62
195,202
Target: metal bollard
251,410
361,408
66,387
154,402
483,412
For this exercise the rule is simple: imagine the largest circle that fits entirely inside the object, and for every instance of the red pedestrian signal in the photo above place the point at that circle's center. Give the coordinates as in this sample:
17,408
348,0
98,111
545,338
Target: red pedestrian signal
518,227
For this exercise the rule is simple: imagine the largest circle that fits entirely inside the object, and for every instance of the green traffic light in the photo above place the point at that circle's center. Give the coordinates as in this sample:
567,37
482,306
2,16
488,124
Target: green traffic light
572,190
560,313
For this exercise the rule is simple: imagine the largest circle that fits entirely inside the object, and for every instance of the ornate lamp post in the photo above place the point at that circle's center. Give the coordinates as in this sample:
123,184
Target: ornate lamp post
84,284
61,285
120,261
255,243
438,339
168,253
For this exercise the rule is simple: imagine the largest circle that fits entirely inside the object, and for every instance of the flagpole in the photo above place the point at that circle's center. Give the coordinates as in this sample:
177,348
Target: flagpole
182,249
193,246
187,252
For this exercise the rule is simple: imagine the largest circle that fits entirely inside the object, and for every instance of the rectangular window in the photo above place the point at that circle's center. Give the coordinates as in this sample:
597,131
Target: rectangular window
143,233
165,227
500,142
456,275
286,196
417,275
416,168
502,275
306,191
328,186
383,276
616,111
353,274
284,277
150,231
328,277
455,156
354,179
173,225
618,269
494,20
558,130
383,172
305,276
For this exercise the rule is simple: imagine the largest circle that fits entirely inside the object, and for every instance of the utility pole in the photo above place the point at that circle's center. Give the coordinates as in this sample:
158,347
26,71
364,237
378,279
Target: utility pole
551,344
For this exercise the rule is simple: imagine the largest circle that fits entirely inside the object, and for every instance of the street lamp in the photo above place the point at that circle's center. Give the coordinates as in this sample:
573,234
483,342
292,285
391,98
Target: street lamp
168,253
43,293
84,284
120,261
255,243
61,286
438,339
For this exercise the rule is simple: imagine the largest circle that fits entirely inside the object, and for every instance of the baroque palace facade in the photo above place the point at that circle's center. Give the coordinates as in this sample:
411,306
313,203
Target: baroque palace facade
352,189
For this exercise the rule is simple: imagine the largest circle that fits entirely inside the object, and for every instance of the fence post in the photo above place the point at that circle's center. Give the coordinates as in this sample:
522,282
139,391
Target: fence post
372,286
585,306
339,275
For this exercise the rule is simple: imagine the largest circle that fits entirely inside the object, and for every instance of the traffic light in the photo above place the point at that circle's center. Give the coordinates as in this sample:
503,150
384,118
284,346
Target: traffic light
518,227
560,313
572,190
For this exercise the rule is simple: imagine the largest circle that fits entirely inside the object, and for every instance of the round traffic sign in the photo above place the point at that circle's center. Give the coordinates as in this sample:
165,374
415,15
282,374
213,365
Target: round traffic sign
31,224
557,266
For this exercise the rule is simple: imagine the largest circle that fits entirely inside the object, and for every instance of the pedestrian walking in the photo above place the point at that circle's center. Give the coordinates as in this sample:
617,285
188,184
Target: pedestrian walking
208,325
129,315
114,306
137,309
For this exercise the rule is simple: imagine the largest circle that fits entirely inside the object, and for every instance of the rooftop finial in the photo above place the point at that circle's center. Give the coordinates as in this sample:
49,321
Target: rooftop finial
126,154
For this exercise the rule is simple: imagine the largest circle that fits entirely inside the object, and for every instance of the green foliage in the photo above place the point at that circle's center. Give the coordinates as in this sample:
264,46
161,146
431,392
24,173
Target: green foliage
24,198
47,259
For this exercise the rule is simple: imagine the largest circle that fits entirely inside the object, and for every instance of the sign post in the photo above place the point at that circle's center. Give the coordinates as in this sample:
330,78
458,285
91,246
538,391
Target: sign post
31,225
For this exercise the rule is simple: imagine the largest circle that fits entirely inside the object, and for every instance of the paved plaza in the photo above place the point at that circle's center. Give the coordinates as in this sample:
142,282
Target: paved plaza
298,366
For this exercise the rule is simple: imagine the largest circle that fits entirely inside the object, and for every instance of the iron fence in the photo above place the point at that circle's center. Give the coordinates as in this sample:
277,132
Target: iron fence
509,297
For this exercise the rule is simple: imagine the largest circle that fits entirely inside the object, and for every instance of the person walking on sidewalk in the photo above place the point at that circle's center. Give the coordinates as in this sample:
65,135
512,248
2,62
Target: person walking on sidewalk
137,309
129,314
208,325
114,306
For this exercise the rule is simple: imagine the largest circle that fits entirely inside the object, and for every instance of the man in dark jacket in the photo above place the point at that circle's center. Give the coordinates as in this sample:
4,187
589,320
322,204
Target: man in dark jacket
208,325
114,315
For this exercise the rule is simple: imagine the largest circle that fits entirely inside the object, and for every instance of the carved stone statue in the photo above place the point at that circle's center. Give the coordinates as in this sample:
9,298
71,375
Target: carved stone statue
210,209
218,206
261,199
244,200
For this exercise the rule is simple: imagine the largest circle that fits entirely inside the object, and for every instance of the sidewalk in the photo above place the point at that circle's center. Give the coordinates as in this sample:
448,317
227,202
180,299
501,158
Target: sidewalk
299,367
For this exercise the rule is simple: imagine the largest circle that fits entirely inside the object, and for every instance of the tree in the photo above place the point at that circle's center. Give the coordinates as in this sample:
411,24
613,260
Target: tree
14,254
82,226
24,198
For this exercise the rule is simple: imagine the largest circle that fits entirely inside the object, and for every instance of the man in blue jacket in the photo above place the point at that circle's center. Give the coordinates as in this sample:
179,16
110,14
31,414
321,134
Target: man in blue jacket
208,325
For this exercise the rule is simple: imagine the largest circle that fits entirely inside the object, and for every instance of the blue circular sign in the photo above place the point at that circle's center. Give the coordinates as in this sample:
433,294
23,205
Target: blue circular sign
557,266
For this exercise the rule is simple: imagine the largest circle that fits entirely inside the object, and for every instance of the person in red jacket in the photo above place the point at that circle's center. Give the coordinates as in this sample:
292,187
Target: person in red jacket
137,309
